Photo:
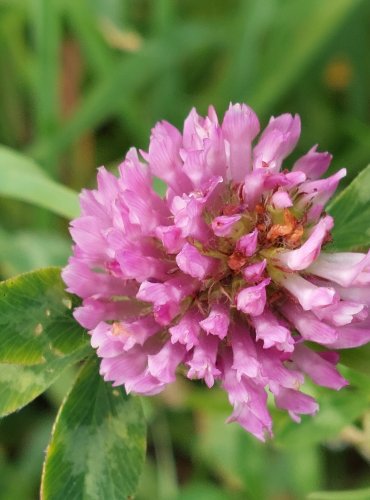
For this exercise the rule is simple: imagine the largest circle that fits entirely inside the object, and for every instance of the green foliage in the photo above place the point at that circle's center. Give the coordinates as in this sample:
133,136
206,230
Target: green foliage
358,358
97,426
22,179
38,336
36,322
19,385
97,447
241,462
351,210
363,494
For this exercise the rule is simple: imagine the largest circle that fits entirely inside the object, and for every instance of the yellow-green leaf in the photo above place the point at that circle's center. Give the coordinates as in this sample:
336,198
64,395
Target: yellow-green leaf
19,385
36,322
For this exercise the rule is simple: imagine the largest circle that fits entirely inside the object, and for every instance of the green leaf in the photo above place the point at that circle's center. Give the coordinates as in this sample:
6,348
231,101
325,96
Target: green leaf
22,179
351,210
238,460
358,359
363,494
19,385
36,322
97,447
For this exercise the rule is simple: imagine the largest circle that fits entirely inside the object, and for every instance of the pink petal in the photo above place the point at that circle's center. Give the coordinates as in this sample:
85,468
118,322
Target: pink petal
252,412
277,141
244,416
164,158
84,282
244,352
307,294
105,343
296,403
240,126
345,268
322,190
107,186
272,333
313,164
88,234
203,362
187,330
281,199
209,159
130,369
273,367
217,323
252,300
308,325
354,293
305,255
353,335
171,238
282,179
95,310
322,372
196,129
248,243
142,267
253,188
255,271
192,262
223,225
163,364
341,313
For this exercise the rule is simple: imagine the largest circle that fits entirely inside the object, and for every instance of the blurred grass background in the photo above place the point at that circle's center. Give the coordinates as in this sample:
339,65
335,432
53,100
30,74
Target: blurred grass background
83,80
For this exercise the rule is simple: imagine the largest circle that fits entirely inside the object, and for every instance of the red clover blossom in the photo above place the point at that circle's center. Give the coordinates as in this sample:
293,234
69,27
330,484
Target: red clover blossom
227,275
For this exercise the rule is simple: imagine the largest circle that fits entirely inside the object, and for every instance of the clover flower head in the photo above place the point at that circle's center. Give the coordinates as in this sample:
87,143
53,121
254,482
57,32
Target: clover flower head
227,275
